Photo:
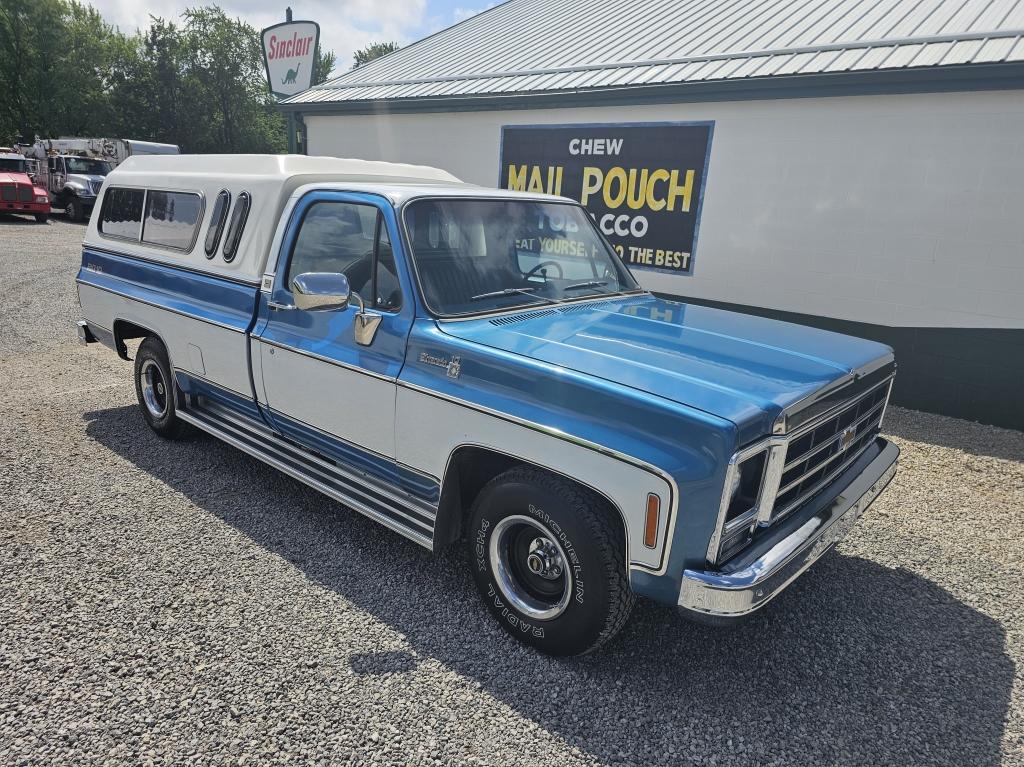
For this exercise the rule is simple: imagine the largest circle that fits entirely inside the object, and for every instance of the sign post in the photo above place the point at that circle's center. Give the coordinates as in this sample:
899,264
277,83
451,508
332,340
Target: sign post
289,56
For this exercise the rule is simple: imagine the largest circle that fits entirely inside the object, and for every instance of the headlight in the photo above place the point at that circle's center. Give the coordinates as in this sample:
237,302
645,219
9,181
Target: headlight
746,486
42,198
739,504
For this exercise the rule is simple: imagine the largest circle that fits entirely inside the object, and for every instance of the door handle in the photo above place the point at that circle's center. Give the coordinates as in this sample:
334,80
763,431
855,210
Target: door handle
279,306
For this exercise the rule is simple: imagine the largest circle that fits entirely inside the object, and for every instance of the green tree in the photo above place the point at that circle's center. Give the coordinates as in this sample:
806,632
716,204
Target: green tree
55,62
198,83
325,63
224,73
374,51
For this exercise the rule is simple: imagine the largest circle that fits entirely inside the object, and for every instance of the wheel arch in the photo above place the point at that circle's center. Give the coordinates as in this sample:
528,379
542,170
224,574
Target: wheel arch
126,329
471,466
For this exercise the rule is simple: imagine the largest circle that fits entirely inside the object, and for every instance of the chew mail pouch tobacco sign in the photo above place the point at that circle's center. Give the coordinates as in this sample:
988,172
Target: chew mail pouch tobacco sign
642,183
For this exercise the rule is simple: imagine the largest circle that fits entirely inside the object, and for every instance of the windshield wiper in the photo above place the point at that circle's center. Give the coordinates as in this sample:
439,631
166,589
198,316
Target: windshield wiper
512,292
583,285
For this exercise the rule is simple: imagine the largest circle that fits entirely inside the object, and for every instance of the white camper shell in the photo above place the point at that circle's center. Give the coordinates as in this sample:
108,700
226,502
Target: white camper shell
271,182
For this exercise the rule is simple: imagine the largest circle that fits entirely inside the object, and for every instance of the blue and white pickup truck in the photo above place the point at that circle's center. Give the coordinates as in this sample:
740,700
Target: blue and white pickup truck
468,364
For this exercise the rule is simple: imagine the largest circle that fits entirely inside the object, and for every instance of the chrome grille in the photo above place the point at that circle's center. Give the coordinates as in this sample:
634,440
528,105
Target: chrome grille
818,453
8,193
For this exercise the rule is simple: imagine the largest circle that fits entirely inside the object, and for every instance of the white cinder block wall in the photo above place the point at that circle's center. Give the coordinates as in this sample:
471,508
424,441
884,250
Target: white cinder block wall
900,210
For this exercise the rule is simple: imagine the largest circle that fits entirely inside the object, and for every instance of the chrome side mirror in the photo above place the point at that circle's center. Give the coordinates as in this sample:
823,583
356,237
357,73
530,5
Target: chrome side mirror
330,291
321,291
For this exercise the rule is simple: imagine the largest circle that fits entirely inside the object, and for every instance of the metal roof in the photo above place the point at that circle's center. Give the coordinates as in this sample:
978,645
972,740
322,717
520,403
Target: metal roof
550,46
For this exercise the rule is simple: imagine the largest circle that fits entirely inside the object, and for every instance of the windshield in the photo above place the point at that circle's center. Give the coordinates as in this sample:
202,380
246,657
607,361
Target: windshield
13,165
475,256
87,166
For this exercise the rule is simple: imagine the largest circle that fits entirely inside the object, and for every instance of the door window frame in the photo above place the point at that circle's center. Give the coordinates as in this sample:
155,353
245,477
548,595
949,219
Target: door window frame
384,222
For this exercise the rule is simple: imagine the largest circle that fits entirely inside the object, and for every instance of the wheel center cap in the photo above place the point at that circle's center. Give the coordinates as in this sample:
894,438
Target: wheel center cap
544,559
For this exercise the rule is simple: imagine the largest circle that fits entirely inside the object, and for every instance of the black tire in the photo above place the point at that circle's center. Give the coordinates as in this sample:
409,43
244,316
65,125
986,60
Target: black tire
73,209
155,389
568,615
42,218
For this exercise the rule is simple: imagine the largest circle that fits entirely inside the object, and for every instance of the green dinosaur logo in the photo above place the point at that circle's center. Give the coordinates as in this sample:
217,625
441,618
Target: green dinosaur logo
289,79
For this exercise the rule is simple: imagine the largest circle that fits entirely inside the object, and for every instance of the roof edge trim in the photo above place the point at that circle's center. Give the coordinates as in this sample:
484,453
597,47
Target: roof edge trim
961,77
338,83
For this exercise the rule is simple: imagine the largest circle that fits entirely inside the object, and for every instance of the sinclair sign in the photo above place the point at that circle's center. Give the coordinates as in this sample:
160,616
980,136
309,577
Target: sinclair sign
289,52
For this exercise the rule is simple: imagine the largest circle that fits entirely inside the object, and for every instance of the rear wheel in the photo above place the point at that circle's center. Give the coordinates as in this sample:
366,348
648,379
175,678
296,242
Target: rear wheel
548,558
155,389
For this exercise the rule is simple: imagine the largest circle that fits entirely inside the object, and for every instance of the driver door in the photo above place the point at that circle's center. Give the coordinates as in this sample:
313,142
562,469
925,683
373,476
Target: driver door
324,386
56,174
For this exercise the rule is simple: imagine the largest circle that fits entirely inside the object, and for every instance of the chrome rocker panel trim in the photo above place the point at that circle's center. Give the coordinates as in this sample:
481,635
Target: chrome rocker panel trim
389,506
732,594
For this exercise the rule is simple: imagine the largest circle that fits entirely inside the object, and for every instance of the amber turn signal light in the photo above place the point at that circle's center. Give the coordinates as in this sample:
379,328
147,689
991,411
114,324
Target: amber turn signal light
651,523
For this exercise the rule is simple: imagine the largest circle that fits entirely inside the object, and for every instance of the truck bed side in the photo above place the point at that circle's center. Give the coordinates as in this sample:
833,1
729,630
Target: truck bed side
203,319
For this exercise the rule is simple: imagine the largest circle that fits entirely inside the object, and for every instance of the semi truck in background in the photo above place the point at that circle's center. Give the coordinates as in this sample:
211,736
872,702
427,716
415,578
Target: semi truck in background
72,169
19,192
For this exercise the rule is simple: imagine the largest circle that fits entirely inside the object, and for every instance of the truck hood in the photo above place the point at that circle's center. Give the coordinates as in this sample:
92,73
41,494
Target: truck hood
740,367
6,177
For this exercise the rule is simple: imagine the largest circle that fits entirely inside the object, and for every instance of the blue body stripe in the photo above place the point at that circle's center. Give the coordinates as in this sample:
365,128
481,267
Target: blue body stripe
201,296
195,386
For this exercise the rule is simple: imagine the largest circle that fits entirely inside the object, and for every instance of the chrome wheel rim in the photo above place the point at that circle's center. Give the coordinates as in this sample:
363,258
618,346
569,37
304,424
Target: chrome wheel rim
154,389
69,210
530,567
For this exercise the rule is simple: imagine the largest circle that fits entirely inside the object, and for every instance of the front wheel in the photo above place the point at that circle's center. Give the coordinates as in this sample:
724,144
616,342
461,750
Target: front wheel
73,209
549,560
154,387
42,218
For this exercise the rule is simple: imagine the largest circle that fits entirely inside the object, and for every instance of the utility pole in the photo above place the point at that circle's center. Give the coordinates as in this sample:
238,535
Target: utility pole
292,143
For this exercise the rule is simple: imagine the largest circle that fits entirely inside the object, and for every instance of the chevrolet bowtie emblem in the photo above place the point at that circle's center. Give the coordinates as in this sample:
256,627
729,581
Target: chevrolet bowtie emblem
847,437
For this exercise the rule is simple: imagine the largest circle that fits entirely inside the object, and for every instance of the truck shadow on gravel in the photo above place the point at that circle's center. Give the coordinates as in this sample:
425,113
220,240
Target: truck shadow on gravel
855,664
7,219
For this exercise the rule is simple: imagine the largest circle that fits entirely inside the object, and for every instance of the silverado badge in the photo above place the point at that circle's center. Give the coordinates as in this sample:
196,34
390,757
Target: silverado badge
453,365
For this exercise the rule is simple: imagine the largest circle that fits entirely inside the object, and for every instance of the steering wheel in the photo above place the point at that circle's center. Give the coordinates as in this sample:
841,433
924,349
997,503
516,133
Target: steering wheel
541,265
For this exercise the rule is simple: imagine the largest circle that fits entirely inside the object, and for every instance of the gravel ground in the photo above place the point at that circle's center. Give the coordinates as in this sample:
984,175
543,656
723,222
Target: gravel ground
181,603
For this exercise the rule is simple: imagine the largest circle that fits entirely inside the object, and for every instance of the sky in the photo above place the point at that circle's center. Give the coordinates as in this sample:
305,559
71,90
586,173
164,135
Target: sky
345,25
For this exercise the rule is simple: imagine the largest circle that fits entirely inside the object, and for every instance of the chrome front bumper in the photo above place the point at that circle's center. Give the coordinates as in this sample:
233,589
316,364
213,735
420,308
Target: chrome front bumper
734,593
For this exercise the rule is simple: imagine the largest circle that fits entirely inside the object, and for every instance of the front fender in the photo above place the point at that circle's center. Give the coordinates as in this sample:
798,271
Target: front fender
620,441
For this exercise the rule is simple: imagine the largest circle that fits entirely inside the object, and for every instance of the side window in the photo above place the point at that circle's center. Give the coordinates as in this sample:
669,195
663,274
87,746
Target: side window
122,213
336,237
387,291
172,219
238,218
217,219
